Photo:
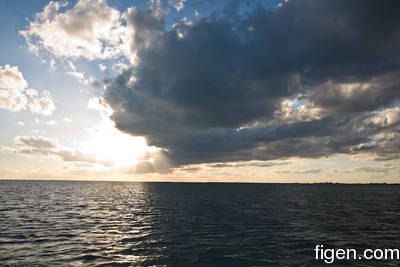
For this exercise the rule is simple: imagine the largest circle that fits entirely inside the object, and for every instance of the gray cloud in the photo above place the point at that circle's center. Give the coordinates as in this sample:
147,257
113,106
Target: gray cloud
367,169
371,169
48,147
212,90
35,142
305,171
262,164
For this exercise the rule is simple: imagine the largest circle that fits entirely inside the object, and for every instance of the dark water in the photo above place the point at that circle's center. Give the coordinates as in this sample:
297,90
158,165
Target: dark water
178,224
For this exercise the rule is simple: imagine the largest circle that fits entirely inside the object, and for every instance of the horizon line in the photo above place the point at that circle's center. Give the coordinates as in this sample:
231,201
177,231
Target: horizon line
202,182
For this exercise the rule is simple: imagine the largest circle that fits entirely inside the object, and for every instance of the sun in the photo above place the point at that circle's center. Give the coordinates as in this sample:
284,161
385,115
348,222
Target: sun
112,146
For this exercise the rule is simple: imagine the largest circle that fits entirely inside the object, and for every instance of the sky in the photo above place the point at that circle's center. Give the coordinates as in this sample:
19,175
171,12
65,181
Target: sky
200,91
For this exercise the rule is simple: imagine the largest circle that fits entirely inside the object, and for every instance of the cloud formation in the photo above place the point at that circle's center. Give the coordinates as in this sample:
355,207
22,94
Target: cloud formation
304,171
48,147
16,96
108,160
309,79
90,29
261,164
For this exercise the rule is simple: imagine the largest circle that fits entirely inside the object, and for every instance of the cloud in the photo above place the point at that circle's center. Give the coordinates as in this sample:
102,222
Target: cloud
304,171
12,89
369,169
261,164
102,67
34,142
309,79
98,104
66,119
51,122
119,67
88,159
312,170
52,64
49,147
43,105
90,29
76,74
16,96
145,26
80,76
179,5
385,117
91,81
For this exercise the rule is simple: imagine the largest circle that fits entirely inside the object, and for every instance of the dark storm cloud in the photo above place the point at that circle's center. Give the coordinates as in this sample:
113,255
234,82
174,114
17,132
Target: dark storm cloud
210,90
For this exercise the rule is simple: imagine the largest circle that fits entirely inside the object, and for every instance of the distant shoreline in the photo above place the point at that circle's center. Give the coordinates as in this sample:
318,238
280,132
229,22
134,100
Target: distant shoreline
189,182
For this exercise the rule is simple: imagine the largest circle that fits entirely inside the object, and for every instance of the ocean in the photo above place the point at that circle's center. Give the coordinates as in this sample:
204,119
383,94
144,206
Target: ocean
63,223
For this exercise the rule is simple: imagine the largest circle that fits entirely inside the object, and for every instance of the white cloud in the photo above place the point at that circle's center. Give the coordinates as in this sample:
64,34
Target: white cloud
20,123
102,67
51,122
80,76
91,29
297,109
52,64
66,119
16,96
179,5
72,66
43,105
119,67
93,82
12,88
76,74
98,103
386,117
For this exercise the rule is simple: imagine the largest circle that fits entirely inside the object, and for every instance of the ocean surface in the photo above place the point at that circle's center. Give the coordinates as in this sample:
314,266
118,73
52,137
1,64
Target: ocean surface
54,223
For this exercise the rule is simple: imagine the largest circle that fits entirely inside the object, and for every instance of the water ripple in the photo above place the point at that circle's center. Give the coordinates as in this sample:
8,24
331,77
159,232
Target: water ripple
131,224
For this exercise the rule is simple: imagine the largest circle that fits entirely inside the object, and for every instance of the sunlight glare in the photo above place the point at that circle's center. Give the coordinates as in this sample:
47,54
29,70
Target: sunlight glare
111,145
